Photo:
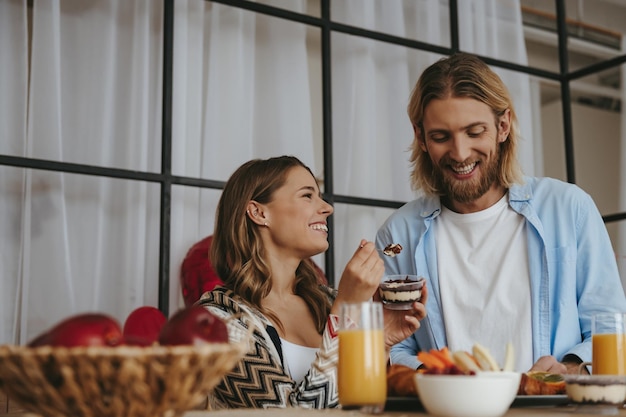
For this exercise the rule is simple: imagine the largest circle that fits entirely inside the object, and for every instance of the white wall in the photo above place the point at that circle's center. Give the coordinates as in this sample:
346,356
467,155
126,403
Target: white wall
596,154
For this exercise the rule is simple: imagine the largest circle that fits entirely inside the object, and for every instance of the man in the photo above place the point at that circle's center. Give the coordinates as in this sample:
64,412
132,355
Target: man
506,258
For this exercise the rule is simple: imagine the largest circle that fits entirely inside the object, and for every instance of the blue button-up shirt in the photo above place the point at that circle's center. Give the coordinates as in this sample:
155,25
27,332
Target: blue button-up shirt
572,266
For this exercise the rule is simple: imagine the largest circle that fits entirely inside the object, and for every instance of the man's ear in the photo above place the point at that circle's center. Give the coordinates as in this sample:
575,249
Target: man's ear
504,126
419,138
257,213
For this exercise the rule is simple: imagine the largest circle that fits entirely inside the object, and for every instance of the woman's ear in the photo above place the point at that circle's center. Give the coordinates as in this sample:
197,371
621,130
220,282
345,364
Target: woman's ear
504,126
256,212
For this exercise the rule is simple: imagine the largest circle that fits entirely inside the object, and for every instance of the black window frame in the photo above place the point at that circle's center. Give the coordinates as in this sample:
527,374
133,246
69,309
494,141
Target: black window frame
326,26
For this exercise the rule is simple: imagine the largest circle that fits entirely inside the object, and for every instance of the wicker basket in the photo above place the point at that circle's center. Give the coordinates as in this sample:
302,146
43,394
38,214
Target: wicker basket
125,381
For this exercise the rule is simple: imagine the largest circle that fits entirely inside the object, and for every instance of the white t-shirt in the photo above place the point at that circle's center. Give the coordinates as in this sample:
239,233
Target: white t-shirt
484,281
298,358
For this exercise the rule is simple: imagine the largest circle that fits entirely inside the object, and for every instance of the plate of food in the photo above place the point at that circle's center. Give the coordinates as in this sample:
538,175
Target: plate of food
536,389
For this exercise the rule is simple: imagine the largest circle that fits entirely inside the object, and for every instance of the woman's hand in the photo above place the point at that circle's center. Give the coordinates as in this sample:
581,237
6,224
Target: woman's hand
361,276
360,279
400,324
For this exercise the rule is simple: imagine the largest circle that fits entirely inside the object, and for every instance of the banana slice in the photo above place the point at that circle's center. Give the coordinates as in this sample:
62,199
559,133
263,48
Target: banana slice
509,358
484,358
465,362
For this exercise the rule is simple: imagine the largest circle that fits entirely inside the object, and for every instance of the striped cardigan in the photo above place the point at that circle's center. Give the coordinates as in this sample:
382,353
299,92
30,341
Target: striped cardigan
260,379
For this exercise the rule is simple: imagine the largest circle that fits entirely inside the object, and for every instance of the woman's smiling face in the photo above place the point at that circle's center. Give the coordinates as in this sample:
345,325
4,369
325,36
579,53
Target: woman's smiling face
297,214
461,137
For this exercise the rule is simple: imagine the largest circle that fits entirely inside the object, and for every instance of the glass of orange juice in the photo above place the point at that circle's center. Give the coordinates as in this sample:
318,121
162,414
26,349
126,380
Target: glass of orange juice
608,341
362,368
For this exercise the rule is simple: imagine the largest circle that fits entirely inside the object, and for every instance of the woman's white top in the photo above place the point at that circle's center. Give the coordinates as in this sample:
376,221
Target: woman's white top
297,358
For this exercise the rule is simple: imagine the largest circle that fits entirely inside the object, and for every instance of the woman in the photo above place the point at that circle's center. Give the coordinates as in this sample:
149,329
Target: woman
270,218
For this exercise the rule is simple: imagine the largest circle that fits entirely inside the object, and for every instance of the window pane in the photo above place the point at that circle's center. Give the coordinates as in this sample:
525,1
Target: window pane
193,218
371,85
617,233
353,223
243,89
594,32
95,84
597,154
91,242
596,148
552,136
493,29
539,20
311,7
421,20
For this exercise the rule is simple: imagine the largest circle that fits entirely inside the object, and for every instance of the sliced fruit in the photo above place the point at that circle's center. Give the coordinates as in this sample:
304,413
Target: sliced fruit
465,361
484,358
509,358
430,361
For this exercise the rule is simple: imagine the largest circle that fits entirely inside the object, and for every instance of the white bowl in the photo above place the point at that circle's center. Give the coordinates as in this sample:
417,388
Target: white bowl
596,389
486,394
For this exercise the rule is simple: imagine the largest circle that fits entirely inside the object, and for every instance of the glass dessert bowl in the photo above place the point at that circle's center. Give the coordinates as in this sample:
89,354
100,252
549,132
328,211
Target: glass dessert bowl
596,389
399,292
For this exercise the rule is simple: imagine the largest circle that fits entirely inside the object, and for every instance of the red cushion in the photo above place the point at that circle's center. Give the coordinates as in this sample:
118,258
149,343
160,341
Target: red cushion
196,273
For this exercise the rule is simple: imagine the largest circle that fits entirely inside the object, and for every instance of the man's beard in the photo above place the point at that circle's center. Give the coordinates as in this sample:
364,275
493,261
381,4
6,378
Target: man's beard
466,191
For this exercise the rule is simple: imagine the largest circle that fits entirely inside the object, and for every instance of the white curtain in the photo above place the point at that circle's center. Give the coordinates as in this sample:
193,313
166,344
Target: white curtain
89,91
621,244
13,86
241,91
74,243
371,85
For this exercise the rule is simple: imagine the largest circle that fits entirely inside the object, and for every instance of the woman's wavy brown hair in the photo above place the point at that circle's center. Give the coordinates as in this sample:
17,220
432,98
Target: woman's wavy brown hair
461,75
237,250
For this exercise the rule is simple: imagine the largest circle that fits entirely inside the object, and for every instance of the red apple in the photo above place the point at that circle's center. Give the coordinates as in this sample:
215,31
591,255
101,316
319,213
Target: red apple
142,326
86,329
40,340
194,325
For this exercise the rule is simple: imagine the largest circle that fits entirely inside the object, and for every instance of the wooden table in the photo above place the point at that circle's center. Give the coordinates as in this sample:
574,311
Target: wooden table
560,411
538,411
513,412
